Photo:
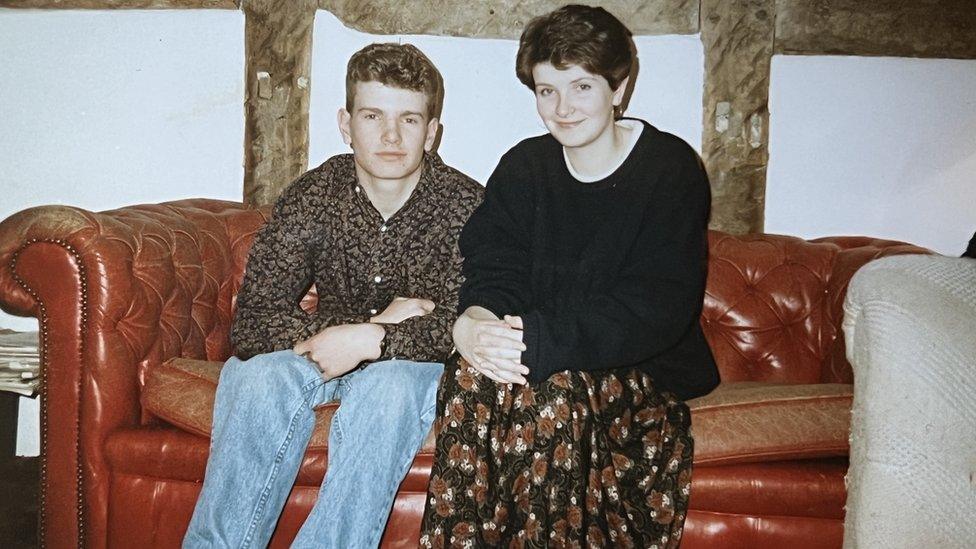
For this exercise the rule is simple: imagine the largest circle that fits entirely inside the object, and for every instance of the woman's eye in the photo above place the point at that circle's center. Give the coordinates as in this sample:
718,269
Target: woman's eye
584,87
545,91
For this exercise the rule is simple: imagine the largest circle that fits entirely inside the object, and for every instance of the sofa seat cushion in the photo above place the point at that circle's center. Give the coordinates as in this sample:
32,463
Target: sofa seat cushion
181,392
737,423
752,422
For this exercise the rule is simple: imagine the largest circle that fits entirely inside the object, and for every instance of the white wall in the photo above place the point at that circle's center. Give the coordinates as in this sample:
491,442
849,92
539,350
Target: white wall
877,146
101,109
486,109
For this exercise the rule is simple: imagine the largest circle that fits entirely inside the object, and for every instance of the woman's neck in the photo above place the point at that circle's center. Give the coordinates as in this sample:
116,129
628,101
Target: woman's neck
599,155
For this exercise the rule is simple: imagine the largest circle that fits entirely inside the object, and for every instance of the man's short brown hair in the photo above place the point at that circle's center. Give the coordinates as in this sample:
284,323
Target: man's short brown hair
576,35
399,66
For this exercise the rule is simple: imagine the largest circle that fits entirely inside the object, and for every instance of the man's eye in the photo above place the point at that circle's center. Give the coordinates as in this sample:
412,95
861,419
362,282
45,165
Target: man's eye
410,120
370,116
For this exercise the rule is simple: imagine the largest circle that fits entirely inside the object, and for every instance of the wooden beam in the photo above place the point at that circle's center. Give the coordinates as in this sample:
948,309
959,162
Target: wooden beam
278,51
920,28
120,4
738,39
501,18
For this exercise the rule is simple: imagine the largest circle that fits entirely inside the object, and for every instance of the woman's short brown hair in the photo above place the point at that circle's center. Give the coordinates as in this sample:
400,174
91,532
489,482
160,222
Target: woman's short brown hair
399,66
576,35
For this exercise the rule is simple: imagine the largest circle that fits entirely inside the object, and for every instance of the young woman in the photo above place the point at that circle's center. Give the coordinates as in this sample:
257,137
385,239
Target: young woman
563,423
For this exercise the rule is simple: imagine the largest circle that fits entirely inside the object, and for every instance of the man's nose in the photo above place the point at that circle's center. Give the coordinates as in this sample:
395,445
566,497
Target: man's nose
391,133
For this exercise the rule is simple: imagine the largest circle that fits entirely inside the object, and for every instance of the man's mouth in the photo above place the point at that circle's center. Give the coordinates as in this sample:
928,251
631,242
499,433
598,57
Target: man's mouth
391,155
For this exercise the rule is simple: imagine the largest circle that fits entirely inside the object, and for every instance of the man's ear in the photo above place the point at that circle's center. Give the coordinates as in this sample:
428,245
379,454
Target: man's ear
618,94
433,126
342,118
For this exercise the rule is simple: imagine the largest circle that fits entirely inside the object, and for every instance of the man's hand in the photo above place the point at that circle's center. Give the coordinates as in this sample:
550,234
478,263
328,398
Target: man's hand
338,349
494,347
402,308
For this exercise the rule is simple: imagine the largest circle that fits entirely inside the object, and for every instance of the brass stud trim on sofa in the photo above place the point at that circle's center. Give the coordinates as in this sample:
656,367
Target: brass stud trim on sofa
42,348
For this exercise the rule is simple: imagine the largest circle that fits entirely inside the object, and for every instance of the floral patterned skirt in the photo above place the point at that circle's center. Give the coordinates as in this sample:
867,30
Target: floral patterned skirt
583,459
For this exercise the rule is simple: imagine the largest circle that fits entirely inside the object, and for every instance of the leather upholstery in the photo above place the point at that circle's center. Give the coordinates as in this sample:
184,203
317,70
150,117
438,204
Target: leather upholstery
120,293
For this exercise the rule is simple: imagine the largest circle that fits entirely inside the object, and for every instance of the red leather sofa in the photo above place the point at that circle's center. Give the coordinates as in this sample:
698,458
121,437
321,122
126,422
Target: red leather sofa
146,293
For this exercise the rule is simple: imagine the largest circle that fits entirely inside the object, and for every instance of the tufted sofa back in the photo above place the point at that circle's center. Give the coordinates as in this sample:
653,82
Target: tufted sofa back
159,281
773,304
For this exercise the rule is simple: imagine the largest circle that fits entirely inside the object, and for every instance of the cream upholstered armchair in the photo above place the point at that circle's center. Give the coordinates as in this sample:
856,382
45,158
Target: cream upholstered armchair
910,324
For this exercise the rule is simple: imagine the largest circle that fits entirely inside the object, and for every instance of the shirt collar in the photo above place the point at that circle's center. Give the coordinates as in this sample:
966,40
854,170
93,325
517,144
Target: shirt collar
424,192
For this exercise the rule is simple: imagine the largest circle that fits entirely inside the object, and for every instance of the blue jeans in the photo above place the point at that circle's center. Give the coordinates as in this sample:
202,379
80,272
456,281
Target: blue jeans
263,420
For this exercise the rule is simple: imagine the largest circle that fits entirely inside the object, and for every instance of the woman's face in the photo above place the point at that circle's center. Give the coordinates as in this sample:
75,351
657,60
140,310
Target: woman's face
575,105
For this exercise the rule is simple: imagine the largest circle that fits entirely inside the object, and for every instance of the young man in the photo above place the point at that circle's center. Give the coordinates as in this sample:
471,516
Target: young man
376,232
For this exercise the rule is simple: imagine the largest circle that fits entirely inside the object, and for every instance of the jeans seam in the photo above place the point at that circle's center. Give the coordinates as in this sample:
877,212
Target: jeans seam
279,457
401,474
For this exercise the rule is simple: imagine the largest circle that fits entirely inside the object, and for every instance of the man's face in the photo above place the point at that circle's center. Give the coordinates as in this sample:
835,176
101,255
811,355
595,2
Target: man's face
388,130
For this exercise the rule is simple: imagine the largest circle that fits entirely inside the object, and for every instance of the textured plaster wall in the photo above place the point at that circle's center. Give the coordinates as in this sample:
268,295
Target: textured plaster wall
103,109
880,146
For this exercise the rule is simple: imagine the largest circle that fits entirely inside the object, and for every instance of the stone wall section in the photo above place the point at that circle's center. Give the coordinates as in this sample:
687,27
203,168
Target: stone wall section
738,40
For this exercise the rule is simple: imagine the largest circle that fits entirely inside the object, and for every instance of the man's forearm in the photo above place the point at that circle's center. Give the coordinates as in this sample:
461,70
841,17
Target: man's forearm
339,349
424,339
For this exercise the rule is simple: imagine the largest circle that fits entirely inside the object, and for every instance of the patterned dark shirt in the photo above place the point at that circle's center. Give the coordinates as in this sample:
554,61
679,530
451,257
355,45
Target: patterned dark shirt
325,231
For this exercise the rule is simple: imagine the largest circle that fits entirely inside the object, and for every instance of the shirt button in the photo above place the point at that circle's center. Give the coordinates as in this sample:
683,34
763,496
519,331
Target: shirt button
383,229
377,279
372,311
357,189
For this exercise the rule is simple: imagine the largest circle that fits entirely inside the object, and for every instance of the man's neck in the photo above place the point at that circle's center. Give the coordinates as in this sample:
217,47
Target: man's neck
388,195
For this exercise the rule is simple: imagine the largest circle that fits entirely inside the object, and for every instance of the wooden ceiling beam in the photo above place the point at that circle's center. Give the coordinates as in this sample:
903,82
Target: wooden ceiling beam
501,18
120,4
921,28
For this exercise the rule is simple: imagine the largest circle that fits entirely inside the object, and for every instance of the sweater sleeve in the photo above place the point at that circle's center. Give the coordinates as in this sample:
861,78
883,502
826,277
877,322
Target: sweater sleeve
280,270
496,245
656,297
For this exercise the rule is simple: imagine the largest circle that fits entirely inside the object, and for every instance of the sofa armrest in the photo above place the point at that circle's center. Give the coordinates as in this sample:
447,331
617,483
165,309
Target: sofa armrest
115,293
853,252
910,324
